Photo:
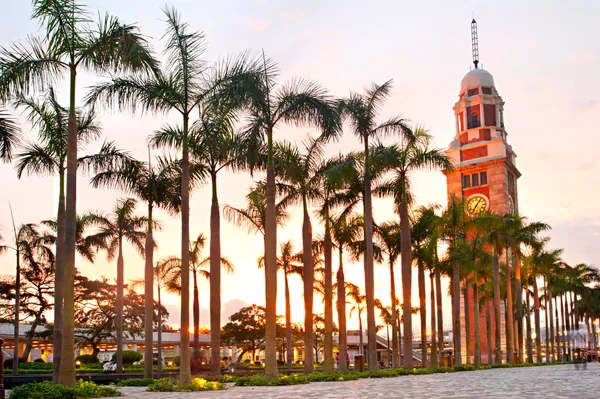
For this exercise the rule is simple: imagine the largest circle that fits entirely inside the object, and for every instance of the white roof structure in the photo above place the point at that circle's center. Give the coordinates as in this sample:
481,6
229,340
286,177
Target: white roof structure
475,78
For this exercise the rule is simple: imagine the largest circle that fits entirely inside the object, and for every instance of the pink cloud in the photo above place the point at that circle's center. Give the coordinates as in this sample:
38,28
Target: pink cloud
258,24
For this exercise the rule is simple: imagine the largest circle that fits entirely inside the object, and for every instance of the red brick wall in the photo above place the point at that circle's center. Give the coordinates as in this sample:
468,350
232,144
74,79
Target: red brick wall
473,153
485,190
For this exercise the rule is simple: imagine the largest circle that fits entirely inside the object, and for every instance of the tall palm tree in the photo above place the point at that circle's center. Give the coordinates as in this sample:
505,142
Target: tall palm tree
299,179
346,231
389,238
184,82
48,157
159,185
114,228
300,102
362,111
71,43
413,153
358,301
198,265
164,279
9,136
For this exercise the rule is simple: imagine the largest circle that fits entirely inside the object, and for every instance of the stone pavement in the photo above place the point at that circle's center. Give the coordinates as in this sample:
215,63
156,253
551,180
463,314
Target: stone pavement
562,381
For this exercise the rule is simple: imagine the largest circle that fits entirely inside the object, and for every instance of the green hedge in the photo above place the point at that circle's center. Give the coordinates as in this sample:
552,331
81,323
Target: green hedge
135,382
50,390
198,384
129,357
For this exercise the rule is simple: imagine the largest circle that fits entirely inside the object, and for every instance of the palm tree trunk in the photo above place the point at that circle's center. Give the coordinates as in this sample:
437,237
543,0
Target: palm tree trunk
519,306
558,333
308,274
288,323
59,276
149,301
196,315
328,361
440,313
369,270
594,336
538,330
271,370
528,320
395,353
567,325
422,313
476,332
215,281
497,309
29,341
563,328
550,305
406,262
67,362
159,343
547,328
185,376
17,306
510,338
434,348
488,326
360,329
467,322
341,309
120,287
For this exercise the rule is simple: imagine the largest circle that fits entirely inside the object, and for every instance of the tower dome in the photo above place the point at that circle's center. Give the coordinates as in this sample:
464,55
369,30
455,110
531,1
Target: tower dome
475,78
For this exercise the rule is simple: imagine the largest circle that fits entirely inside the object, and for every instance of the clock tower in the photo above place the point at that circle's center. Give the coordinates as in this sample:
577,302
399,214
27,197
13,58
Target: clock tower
485,172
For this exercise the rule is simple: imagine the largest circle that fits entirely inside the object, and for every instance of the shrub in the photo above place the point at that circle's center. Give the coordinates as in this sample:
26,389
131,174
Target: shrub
40,360
135,382
445,370
198,384
8,363
87,359
50,390
177,360
35,366
464,367
129,357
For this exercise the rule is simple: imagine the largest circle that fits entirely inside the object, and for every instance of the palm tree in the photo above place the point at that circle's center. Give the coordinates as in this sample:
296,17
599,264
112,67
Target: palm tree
49,157
164,278
413,153
388,235
358,304
362,110
157,185
72,43
184,83
9,136
121,225
345,233
452,225
197,267
300,102
299,179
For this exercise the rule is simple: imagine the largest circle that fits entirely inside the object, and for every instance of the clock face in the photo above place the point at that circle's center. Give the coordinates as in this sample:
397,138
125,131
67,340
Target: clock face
476,205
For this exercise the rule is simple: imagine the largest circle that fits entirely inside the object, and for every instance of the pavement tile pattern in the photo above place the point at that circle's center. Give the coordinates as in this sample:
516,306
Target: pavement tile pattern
564,381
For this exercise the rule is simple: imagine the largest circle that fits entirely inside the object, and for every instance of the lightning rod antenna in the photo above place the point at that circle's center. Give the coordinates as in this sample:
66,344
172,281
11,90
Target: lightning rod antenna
474,42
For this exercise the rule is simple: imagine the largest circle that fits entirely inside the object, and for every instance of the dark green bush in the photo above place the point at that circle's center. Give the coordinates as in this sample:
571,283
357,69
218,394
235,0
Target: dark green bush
445,370
50,390
464,367
87,359
35,366
135,382
129,357
177,360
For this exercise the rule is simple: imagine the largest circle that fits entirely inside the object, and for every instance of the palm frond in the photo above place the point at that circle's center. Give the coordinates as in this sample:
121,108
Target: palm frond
9,137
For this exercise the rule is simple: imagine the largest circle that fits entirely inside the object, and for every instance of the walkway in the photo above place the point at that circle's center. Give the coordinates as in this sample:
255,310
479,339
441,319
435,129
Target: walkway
530,382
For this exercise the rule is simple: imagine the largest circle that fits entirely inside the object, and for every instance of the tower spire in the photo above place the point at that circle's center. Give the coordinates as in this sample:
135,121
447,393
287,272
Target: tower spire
474,42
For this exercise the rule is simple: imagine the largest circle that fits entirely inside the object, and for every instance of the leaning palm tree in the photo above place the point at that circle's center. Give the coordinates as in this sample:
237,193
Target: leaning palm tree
184,82
9,136
198,266
159,185
362,110
114,228
71,43
214,146
48,157
300,102
412,154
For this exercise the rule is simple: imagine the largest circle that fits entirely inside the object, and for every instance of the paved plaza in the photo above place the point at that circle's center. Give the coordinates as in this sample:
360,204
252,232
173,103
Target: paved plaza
563,381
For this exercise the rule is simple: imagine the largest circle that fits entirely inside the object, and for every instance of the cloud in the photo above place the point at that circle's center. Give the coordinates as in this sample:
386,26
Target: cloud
258,24
293,15
304,36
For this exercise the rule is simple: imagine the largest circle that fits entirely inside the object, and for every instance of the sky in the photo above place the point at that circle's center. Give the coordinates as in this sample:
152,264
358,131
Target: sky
544,56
